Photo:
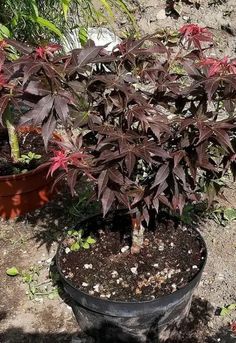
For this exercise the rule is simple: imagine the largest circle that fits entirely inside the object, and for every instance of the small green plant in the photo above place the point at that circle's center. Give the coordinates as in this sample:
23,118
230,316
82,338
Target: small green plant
222,215
35,288
78,241
28,158
226,310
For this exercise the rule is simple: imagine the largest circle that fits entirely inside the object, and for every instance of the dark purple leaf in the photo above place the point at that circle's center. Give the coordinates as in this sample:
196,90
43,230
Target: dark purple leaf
107,199
161,175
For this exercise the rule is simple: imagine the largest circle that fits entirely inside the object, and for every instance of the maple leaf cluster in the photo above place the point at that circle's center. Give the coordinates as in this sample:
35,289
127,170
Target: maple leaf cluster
153,118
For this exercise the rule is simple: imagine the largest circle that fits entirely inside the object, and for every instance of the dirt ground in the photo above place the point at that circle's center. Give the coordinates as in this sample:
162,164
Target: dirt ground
31,242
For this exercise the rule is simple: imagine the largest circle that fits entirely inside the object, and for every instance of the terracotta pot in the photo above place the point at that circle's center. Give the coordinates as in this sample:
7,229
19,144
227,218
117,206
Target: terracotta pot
23,193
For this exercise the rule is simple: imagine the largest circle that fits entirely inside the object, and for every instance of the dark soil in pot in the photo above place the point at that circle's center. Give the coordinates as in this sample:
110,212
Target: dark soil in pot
29,142
172,255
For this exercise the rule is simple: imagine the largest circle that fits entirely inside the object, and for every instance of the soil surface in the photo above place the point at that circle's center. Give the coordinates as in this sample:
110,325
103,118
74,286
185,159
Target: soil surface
33,239
28,142
170,258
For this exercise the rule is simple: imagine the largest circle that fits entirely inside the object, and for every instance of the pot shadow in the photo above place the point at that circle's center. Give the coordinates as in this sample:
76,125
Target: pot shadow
194,329
3,315
17,335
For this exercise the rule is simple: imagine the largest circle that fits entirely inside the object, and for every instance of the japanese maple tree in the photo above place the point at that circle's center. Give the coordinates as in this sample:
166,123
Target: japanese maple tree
153,119
160,118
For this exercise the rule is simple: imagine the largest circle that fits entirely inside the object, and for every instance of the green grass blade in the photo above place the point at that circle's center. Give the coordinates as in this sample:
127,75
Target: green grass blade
49,25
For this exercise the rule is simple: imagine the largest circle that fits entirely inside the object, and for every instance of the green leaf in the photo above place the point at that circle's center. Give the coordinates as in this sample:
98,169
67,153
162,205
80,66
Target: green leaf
54,294
90,240
83,35
232,307
86,245
224,312
108,8
75,246
27,277
35,8
65,7
32,289
49,25
230,214
4,31
13,271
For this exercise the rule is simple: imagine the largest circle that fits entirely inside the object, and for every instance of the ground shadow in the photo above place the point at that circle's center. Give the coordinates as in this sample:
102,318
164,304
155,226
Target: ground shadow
193,330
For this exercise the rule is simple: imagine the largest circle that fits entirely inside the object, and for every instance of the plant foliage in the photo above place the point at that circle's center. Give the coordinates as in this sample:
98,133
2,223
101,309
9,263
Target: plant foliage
154,120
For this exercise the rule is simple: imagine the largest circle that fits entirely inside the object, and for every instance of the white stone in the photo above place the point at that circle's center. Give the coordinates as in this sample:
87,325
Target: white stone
88,266
125,248
85,284
96,287
161,14
114,274
134,270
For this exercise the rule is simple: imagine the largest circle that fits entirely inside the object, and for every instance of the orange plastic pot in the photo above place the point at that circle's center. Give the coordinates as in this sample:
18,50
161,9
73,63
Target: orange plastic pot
23,193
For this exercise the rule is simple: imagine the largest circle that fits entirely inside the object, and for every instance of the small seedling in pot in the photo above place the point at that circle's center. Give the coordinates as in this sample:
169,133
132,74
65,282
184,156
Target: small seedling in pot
78,241
28,158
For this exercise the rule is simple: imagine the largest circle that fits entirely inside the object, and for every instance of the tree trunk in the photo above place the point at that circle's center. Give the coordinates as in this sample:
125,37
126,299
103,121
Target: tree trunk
12,136
137,234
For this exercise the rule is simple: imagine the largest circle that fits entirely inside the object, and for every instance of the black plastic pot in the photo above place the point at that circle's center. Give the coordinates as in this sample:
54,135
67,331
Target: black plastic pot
115,321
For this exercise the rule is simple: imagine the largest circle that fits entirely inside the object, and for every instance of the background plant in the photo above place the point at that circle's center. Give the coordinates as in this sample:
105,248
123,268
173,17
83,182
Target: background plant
40,21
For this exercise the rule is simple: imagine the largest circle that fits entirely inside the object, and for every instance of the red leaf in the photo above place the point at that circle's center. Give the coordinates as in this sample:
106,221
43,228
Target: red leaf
223,138
107,200
48,128
205,132
102,182
161,175
178,157
87,55
4,100
40,111
130,161
61,107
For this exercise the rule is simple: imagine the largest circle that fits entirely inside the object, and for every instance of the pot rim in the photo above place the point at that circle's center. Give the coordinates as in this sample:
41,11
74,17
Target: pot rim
118,302
36,170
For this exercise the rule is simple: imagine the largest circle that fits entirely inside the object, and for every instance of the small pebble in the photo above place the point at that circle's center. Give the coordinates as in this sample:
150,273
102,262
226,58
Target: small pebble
118,281
84,284
114,274
134,270
155,265
88,266
124,249
96,288
189,251
174,287
172,244
91,292
67,250
161,247
194,267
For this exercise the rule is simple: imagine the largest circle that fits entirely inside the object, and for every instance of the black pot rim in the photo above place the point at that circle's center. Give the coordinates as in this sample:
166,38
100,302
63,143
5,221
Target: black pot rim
165,298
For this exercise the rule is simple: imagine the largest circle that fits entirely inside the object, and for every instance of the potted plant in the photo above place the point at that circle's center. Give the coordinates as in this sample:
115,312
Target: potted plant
158,134
28,83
